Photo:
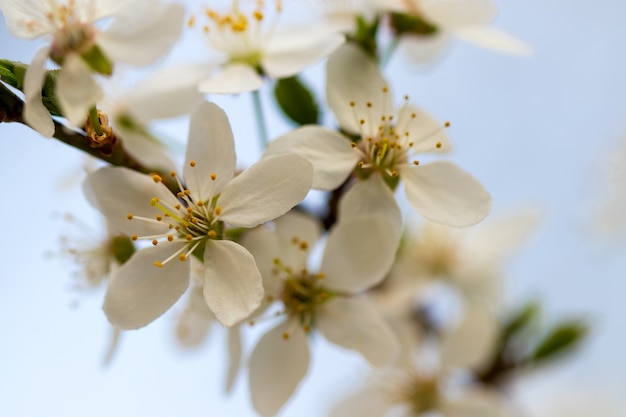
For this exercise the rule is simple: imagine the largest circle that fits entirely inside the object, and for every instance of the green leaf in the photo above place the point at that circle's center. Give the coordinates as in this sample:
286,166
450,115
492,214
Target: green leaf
521,320
562,339
296,101
122,249
13,73
411,24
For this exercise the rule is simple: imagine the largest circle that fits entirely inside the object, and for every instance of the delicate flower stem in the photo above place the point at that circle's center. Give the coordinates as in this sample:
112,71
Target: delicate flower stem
389,51
260,119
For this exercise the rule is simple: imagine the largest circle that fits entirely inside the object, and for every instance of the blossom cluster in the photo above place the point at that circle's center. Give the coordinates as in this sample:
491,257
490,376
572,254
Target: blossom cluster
245,245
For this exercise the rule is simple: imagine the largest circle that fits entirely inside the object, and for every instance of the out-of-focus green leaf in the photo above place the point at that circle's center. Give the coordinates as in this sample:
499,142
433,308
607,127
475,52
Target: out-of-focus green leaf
560,340
296,101
365,35
522,319
411,24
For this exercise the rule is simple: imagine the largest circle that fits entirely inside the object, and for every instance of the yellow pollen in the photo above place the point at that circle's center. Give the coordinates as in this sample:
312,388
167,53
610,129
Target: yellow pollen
189,210
360,164
416,162
129,216
182,257
320,276
446,124
158,217
154,201
180,194
134,237
352,104
155,242
286,335
218,210
258,15
158,264
200,203
307,328
170,238
191,21
187,192
213,176
177,206
304,246
189,238
156,178
212,234
385,89
192,163
353,145
438,145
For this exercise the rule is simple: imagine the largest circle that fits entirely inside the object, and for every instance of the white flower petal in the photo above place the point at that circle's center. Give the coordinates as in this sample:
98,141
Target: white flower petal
425,49
233,287
368,402
212,146
353,324
476,402
121,191
495,39
18,14
265,245
330,153
266,190
141,41
166,93
444,193
371,197
233,79
194,324
453,14
76,90
358,254
472,343
284,361
424,130
296,225
35,113
234,357
352,76
290,53
145,149
140,291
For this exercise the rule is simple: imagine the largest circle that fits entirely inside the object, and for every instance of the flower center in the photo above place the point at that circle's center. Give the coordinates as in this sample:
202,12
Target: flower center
191,220
385,141
72,32
240,32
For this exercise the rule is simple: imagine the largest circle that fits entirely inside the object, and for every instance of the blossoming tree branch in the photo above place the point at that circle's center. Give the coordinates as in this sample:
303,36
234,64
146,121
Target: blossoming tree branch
241,245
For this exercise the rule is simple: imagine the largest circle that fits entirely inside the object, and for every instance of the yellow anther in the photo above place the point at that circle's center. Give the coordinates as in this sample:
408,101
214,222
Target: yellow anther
192,163
155,242
158,264
276,261
286,335
295,240
360,164
212,234
156,178
368,104
385,89
413,115
177,206
172,173
416,162
307,328
191,21
154,201
189,210
304,245
170,226
446,124
170,238
134,237
206,29
158,217
189,238
353,145
213,176
438,145
129,216
352,104
362,121
320,276
218,210
200,203
394,173
187,192
323,295
406,97
258,15
180,194
182,257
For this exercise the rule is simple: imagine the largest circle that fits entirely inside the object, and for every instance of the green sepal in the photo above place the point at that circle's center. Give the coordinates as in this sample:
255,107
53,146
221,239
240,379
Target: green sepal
562,339
522,320
97,61
48,96
13,73
296,101
392,181
122,248
404,23
365,35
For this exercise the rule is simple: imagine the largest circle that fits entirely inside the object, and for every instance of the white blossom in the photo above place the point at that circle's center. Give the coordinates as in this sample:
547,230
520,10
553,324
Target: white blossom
356,257
136,33
195,221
